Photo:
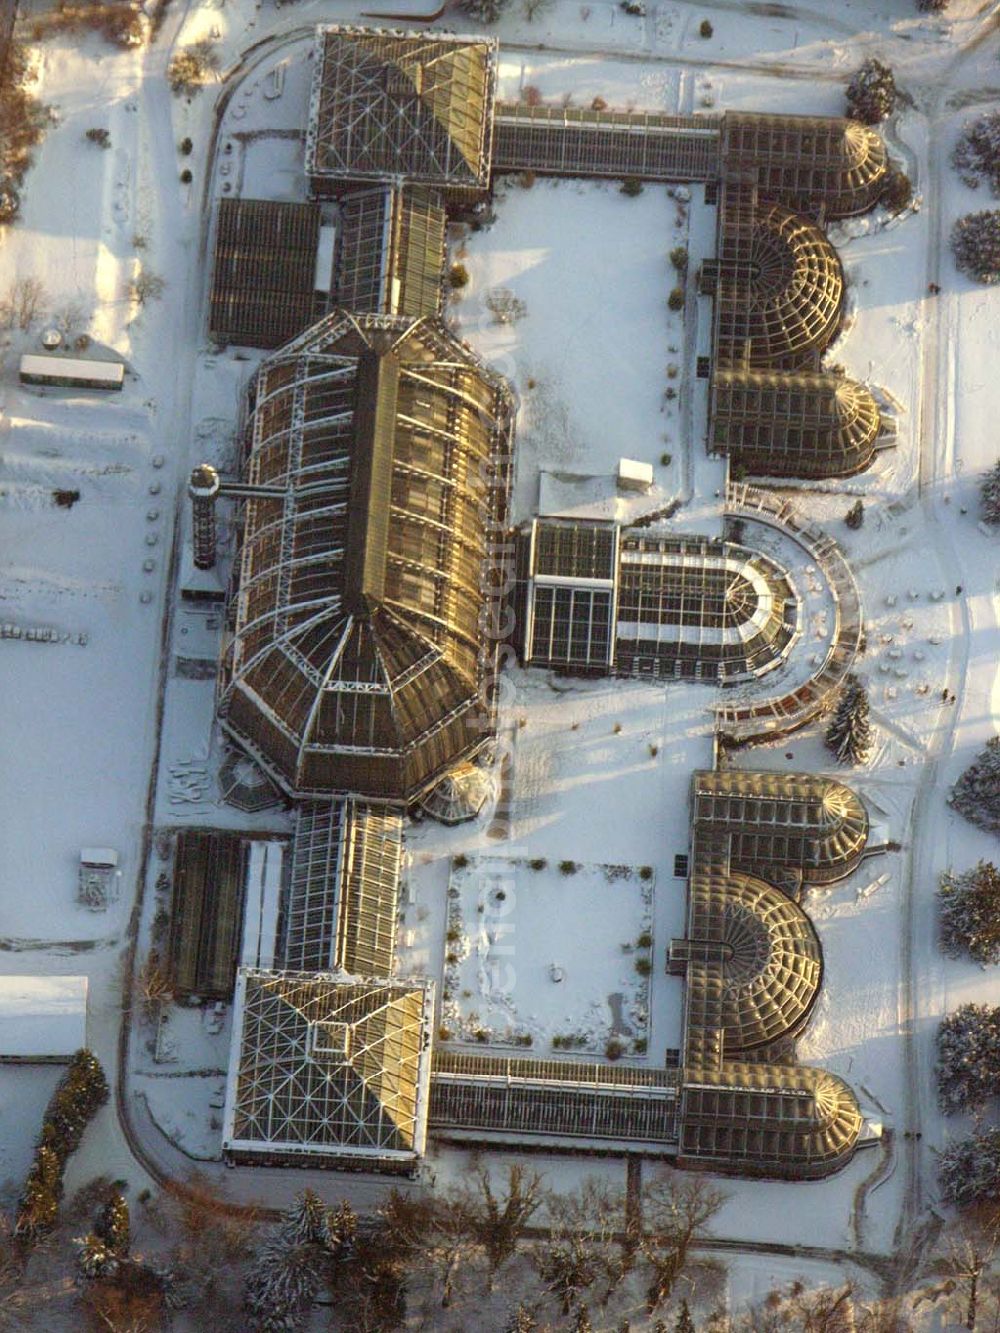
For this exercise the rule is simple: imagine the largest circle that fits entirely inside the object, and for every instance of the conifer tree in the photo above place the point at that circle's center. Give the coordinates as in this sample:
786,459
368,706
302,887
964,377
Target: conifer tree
990,494
975,243
976,794
969,913
685,1324
871,94
849,732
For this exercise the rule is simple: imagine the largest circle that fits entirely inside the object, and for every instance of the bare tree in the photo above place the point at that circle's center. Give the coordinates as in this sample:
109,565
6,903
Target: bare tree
499,1221
676,1214
21,304
153,986
146,286
69,318
969,1249
584,1246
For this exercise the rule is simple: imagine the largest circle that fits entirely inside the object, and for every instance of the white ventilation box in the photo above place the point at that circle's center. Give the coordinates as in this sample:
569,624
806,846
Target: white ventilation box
634,476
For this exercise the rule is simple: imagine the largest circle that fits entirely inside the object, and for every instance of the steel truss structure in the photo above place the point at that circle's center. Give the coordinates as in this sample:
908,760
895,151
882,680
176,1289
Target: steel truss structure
395,107
607,600
391,252
358,652
805,425
328,1070
344,889
375,480
752,965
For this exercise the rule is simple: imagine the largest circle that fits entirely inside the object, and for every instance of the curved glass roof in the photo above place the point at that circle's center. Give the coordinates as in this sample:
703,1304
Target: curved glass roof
355,661
794,425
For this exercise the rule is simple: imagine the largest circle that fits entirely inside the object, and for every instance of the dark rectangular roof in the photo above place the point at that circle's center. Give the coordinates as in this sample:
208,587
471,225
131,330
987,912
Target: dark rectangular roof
264,272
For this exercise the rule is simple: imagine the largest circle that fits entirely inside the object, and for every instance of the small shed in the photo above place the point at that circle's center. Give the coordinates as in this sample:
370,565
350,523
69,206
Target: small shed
43,1020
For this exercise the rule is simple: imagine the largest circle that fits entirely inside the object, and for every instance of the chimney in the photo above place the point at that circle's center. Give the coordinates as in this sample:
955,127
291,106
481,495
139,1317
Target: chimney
203,488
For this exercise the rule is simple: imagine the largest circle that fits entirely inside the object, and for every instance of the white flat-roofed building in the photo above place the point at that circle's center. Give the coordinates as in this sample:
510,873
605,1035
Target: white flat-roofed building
42,1019
67,372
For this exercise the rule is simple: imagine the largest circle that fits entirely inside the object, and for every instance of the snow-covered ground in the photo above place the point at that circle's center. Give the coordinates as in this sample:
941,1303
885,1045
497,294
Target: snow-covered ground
601,769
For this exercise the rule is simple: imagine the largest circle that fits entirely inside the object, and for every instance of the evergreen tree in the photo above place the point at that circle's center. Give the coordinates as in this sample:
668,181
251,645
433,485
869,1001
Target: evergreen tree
306,1222
82,1090
977,153
969,1170
976,794
282,1287
95,1262
486,11
871,94
968,1064
685,1324
849,732
521,1321
990,494
975,243
112,1224
969,913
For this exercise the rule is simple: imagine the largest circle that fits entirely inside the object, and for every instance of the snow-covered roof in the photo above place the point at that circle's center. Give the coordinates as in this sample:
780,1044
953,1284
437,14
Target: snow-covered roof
42,1018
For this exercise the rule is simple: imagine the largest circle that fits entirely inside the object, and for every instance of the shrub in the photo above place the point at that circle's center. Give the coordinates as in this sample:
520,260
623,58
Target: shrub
645,872
897,194
185,147
666,460
645,940
643,966
146,286
706,29
538,863
855,516
568,867
458,277
679,258
675,301
190,70
65,499
505,307
459,862
526,179
631,186
640,1046
99,136
186,177
614,1050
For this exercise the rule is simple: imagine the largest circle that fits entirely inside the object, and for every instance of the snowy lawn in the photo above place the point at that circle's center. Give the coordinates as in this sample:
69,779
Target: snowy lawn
591,356
549,955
